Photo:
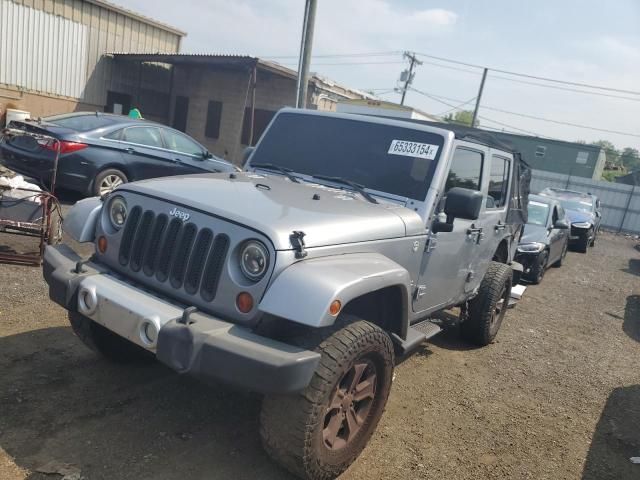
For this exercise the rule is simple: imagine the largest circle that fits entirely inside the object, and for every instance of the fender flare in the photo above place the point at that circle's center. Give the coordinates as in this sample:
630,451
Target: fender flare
81,220
304,291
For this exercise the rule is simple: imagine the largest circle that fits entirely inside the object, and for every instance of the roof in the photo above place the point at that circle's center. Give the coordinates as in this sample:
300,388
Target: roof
582,146
470,134
141,18
232,62
374,102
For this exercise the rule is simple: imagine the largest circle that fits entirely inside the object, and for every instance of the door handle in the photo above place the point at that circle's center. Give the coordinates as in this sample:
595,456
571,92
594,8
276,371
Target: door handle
176,160
500,226
477,231
130,150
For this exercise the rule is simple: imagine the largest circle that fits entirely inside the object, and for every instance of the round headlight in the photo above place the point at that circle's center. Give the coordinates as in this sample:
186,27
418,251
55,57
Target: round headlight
254,260
118,212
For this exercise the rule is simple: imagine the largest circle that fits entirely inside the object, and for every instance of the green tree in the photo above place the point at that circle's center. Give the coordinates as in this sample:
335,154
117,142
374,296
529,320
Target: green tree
461,117
612,154
630,158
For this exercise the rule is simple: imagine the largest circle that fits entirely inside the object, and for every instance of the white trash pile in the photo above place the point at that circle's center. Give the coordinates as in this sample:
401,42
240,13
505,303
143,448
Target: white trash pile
11,188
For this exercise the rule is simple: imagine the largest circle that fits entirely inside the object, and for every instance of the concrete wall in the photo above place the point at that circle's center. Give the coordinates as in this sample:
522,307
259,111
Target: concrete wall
110,30
231,88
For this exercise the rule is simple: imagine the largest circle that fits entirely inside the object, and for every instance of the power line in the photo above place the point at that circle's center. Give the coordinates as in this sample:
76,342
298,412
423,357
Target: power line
350,63
343,55
563,88
559,122
458,107
535,77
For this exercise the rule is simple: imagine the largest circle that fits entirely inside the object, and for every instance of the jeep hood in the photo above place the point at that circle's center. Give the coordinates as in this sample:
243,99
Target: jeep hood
276,207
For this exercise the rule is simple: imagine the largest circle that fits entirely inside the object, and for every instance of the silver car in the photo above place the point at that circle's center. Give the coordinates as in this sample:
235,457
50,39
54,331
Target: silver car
305,275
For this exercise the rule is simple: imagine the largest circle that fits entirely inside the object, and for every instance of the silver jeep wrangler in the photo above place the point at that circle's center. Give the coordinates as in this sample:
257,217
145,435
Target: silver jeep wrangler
305,275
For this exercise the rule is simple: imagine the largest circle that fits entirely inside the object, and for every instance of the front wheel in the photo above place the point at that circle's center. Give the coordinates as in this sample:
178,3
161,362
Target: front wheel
560,261
539,268
107,180
319,432
486,310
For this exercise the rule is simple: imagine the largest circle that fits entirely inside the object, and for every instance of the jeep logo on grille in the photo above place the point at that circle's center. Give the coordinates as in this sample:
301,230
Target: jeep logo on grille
184,216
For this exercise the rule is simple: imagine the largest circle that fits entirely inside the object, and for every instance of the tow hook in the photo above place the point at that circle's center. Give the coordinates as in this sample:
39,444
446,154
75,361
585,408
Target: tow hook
297,241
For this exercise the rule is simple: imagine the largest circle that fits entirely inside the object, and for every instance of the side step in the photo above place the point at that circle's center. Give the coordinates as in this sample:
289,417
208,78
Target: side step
417,333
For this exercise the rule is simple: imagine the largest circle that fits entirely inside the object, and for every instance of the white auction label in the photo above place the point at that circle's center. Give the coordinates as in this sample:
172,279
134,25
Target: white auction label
413,149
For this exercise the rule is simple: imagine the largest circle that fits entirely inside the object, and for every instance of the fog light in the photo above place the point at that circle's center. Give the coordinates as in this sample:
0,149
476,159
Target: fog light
334,308
149,333
244,302
102,244
87,301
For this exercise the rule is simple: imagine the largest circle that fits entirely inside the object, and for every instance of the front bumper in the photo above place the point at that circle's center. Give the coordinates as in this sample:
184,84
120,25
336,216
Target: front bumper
197,344
527,260
579,235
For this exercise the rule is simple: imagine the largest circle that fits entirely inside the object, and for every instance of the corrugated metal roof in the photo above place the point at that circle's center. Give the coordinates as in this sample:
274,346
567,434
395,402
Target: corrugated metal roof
142,18
222,60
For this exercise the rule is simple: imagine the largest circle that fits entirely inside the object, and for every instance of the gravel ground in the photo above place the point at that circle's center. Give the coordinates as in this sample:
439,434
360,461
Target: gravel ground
557,396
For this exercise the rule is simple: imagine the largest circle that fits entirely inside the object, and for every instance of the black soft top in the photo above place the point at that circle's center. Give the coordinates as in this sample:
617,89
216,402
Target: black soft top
517,212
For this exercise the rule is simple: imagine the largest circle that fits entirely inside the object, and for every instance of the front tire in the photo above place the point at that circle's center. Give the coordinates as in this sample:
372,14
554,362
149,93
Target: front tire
560,261
107,180
487,309
537,271
105,342
319,432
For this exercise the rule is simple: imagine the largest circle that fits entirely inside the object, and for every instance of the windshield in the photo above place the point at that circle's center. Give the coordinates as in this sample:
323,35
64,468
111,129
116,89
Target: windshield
579,205
538,213
391,159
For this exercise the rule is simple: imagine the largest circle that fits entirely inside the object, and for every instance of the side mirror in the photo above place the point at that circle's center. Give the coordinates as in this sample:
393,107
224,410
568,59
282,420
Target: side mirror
246,154
463,203
561,225
206,155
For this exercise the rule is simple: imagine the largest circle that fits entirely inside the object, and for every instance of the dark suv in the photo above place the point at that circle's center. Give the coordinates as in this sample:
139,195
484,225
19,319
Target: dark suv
583,212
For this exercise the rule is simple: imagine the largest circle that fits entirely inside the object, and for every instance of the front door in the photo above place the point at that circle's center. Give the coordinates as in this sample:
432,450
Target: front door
448,267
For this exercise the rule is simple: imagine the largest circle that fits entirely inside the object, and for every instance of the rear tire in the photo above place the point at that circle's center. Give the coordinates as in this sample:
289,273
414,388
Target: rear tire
487,309
319,432
105,342
107,180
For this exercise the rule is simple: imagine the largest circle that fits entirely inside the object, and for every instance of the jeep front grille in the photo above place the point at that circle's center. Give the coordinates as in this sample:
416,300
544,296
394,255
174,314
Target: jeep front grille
173,251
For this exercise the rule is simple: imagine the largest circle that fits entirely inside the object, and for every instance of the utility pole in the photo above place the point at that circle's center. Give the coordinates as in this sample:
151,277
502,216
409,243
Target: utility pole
478,98
305,53
414,61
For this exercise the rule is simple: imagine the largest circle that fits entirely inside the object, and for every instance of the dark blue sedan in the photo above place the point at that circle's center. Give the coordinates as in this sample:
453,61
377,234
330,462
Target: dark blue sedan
100,151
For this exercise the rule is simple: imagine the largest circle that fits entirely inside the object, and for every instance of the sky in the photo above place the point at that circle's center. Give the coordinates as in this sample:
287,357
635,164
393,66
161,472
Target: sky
584,41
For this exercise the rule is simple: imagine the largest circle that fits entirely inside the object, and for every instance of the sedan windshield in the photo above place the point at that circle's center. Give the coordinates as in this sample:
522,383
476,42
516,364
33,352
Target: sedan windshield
538,213
397,160
579,205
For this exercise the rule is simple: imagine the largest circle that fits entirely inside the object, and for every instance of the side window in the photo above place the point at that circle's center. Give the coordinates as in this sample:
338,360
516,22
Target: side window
498,181
149,136
466,170
561,213
114,135
180,143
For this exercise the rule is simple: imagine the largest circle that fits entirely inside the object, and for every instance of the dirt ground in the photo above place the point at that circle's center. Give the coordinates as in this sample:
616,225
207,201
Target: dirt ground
557,396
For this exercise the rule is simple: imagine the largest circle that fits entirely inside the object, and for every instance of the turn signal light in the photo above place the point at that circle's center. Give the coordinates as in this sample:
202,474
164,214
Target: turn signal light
335,307
102,244
244,302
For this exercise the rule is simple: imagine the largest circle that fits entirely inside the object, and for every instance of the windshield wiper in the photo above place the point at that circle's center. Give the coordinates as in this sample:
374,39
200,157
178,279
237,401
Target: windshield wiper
356,186
272,166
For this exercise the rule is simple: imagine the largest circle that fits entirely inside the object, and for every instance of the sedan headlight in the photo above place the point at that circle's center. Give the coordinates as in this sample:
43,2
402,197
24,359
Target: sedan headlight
581,225
117,212
534,247
254,260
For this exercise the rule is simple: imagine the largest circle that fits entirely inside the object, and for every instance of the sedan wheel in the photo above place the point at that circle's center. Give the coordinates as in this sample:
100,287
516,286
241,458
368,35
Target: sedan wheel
107,180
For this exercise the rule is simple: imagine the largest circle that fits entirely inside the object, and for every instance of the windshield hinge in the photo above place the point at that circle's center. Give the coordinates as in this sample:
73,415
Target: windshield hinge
297,241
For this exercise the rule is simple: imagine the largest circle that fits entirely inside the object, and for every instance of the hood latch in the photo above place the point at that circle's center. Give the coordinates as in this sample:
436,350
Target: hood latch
297,241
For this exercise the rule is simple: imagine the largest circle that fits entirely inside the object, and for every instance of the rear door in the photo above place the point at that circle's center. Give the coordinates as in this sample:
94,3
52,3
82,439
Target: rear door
493,217
144,152
448,265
